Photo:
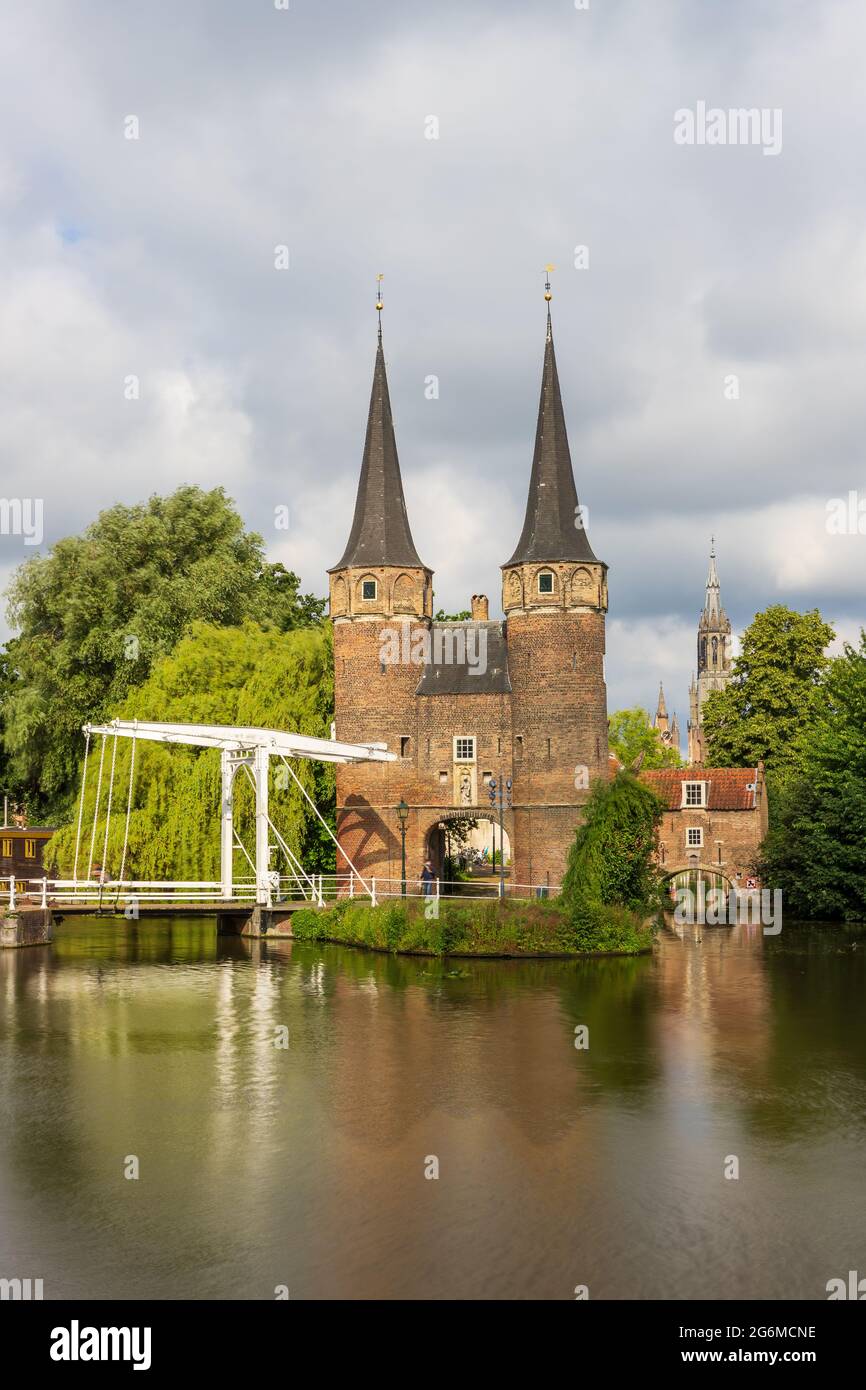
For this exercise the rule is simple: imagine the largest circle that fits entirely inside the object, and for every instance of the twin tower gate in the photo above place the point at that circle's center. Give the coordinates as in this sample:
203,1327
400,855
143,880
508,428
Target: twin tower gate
241,750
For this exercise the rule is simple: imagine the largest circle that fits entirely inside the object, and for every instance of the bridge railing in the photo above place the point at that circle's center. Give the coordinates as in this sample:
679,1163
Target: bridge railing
316,889
54,892
334,887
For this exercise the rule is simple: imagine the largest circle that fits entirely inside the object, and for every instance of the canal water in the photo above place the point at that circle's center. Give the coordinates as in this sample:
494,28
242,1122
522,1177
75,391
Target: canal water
305,1165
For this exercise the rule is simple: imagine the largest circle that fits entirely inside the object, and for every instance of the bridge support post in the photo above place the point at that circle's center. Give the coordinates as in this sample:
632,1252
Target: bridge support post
263,881
227,831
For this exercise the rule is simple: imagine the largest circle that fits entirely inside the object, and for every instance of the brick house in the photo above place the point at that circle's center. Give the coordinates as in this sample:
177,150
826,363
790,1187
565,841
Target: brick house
521,698
714,820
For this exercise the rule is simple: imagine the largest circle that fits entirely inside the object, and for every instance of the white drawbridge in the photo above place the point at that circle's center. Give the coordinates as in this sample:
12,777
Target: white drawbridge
250,750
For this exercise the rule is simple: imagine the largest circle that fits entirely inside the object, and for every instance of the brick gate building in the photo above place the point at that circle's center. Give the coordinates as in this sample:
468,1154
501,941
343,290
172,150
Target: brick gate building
522,698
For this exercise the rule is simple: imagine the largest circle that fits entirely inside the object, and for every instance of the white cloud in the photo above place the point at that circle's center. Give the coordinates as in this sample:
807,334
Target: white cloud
155,257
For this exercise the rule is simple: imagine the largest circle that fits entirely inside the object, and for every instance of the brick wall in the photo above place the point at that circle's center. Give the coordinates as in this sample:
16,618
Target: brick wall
556,663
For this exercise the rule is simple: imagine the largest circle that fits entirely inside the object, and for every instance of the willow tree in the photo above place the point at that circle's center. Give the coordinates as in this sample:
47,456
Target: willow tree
244,675
610,862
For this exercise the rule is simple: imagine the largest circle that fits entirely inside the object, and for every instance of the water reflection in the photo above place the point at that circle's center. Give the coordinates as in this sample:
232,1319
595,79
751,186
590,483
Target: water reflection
305,1165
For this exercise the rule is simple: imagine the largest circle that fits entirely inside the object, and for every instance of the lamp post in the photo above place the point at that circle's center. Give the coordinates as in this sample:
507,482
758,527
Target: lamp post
500,795
402,814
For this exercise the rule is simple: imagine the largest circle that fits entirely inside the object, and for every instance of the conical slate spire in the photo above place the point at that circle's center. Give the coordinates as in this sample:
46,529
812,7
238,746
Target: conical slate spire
380,532
661,709
552,529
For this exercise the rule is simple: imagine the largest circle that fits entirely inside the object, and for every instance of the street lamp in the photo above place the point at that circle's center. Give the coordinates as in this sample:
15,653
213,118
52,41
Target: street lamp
500,795
402,814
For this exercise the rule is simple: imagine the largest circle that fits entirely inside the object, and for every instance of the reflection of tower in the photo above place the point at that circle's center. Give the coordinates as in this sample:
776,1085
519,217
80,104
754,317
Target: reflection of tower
714,659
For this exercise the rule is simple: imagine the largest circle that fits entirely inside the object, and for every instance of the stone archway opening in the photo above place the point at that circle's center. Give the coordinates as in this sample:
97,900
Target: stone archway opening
696,889
466,852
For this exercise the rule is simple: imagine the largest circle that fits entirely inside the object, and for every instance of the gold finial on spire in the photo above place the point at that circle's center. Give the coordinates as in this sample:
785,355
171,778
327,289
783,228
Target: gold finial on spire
548,296
379,305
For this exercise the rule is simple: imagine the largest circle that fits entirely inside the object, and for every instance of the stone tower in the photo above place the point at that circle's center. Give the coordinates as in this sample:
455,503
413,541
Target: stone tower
714,659
554,596
379,586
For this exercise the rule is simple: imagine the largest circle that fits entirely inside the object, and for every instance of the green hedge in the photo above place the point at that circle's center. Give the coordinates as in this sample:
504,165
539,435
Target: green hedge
488,928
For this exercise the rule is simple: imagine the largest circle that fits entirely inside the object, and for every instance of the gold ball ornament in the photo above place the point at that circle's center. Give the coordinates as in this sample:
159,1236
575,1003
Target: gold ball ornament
548,296
379,304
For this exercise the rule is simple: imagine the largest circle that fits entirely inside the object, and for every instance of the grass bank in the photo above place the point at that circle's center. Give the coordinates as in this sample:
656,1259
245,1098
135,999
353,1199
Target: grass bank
486,928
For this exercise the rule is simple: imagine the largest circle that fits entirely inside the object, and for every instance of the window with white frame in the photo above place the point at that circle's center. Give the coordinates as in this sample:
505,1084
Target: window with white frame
545,582
694,837
369,588
464,749
694,794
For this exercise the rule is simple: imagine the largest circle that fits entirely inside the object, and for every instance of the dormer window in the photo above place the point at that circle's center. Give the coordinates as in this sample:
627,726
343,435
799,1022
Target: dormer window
369,589
694,794
545,582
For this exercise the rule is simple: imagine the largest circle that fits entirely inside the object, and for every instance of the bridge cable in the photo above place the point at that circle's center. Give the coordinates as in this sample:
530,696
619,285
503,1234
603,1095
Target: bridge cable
108,809
96,810
81,808
128,810
342,851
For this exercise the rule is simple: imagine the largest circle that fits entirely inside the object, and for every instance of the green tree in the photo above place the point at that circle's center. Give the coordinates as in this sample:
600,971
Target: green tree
94,613
816,849
775,694
630,733
244,675
611,860
442,617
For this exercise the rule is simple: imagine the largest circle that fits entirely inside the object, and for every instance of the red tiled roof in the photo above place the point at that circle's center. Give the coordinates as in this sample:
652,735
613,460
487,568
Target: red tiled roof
728,789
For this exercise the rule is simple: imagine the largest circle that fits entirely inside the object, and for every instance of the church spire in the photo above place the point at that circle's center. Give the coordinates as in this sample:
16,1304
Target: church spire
661,718
713,600
552,528
380,532
714,657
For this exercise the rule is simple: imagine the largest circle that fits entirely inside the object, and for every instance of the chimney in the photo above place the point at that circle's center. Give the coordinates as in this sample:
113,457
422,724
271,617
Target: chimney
480,610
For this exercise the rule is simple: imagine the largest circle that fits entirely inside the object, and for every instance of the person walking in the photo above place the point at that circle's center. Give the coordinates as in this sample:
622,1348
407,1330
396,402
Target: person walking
428,878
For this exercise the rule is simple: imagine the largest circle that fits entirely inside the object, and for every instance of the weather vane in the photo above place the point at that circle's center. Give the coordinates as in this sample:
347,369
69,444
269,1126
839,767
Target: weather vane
548,296
379,305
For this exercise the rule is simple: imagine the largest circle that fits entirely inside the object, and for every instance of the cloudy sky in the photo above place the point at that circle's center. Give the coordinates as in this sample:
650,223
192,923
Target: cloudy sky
308,128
